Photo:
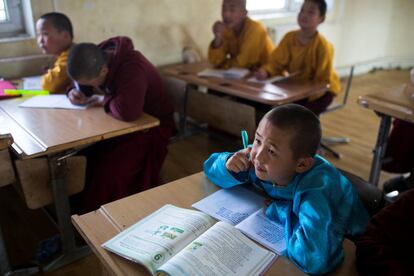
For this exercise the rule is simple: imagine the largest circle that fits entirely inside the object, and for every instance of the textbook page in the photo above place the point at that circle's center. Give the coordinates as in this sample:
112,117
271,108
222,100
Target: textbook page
231,205
244,209
155,239
222,250
265,231
32,83
51,101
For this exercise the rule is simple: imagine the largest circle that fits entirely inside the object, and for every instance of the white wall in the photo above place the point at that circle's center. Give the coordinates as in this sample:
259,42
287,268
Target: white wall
365,33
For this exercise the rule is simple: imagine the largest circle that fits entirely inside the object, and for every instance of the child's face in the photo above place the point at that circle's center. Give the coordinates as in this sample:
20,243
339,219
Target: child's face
233,13
309,16
51,40
271,154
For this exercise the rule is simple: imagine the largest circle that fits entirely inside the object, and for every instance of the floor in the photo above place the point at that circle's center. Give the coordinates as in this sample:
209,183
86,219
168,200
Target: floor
24,228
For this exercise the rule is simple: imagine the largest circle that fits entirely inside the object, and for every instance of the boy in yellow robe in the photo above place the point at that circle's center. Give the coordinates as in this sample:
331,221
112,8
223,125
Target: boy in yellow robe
308,53
55,37
238,40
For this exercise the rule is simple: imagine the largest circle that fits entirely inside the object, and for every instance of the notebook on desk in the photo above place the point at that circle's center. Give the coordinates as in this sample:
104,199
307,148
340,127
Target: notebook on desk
6,85
232,73
51,101
273,79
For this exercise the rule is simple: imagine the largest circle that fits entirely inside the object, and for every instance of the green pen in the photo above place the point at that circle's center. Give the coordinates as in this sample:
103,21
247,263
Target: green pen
245,139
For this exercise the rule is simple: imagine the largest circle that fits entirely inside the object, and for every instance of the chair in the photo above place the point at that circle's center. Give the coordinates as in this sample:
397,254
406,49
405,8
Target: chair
371,197
327,141
7,177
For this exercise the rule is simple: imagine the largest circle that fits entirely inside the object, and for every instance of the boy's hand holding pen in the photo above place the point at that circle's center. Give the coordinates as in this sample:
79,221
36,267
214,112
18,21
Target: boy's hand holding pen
240,161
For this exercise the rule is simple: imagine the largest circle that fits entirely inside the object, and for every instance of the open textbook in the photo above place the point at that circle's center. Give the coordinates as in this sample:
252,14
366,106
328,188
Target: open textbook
232,73
178,241
243,209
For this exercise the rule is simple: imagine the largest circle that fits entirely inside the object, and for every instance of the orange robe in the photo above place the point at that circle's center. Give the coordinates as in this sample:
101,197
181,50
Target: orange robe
250,49
313,61
56,78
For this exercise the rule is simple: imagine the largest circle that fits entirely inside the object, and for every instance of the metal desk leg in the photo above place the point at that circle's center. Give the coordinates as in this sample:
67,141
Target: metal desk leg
380,147
183,114
70,252
5,268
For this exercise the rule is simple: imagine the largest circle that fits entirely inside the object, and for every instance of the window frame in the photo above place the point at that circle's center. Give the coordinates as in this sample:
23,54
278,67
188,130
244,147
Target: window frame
20,20
291,8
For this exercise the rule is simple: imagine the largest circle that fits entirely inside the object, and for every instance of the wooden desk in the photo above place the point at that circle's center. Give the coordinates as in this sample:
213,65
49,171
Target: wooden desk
101,225
397,103
57,134
37,132
269,94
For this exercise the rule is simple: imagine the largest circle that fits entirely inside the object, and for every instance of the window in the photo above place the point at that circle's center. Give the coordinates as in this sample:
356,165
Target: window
267,8
3,14
12,17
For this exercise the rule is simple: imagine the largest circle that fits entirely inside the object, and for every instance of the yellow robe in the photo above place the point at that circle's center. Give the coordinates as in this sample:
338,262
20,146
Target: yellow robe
56,78
251,49
313,61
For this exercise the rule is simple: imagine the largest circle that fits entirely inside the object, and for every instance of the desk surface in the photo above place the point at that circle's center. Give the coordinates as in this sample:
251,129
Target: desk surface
271,94
397,102
101,225
38,132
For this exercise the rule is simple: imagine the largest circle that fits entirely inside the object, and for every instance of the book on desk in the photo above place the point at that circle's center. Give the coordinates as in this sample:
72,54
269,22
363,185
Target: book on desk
232,73
175,240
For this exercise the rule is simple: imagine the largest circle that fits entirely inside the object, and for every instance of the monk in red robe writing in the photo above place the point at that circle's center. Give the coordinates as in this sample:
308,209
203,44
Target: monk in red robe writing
121,80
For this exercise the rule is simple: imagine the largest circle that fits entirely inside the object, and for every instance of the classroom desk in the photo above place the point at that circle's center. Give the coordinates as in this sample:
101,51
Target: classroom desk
283,92
269,94
398,103
58,134
101,225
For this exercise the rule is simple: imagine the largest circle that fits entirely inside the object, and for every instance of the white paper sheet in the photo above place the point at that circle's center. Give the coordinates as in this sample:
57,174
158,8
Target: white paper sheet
51,101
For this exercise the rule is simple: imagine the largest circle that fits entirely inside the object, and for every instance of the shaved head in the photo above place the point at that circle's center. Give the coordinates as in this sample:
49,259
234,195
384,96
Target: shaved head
241,3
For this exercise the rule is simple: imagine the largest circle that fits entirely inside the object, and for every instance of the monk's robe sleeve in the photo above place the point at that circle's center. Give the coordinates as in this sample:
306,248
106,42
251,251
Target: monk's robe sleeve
216,171
324,67
279,59
127,102
56,78
218,56
386,247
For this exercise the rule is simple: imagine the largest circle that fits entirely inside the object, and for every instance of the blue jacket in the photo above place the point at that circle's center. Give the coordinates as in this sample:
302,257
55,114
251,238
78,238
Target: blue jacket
317,208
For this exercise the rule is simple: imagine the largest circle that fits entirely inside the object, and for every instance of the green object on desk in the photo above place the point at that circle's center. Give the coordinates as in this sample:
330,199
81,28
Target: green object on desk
245,139
25,92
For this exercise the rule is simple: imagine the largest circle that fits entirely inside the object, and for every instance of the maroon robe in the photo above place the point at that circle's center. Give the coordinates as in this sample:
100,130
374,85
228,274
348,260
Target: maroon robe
400,148
130,163
387,246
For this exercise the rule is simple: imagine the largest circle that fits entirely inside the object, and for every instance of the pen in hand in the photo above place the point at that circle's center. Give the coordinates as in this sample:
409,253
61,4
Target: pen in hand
245,139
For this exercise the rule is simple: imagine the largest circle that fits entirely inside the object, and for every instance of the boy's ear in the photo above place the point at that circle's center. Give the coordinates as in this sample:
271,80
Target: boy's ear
322,19
304,164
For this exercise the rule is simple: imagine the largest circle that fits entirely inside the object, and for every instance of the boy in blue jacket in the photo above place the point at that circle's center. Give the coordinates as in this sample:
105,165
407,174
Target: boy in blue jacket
317,205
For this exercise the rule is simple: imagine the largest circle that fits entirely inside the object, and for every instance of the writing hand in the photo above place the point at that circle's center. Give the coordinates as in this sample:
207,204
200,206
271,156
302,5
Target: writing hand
96,100
77,98
239,161
261,74
218,29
